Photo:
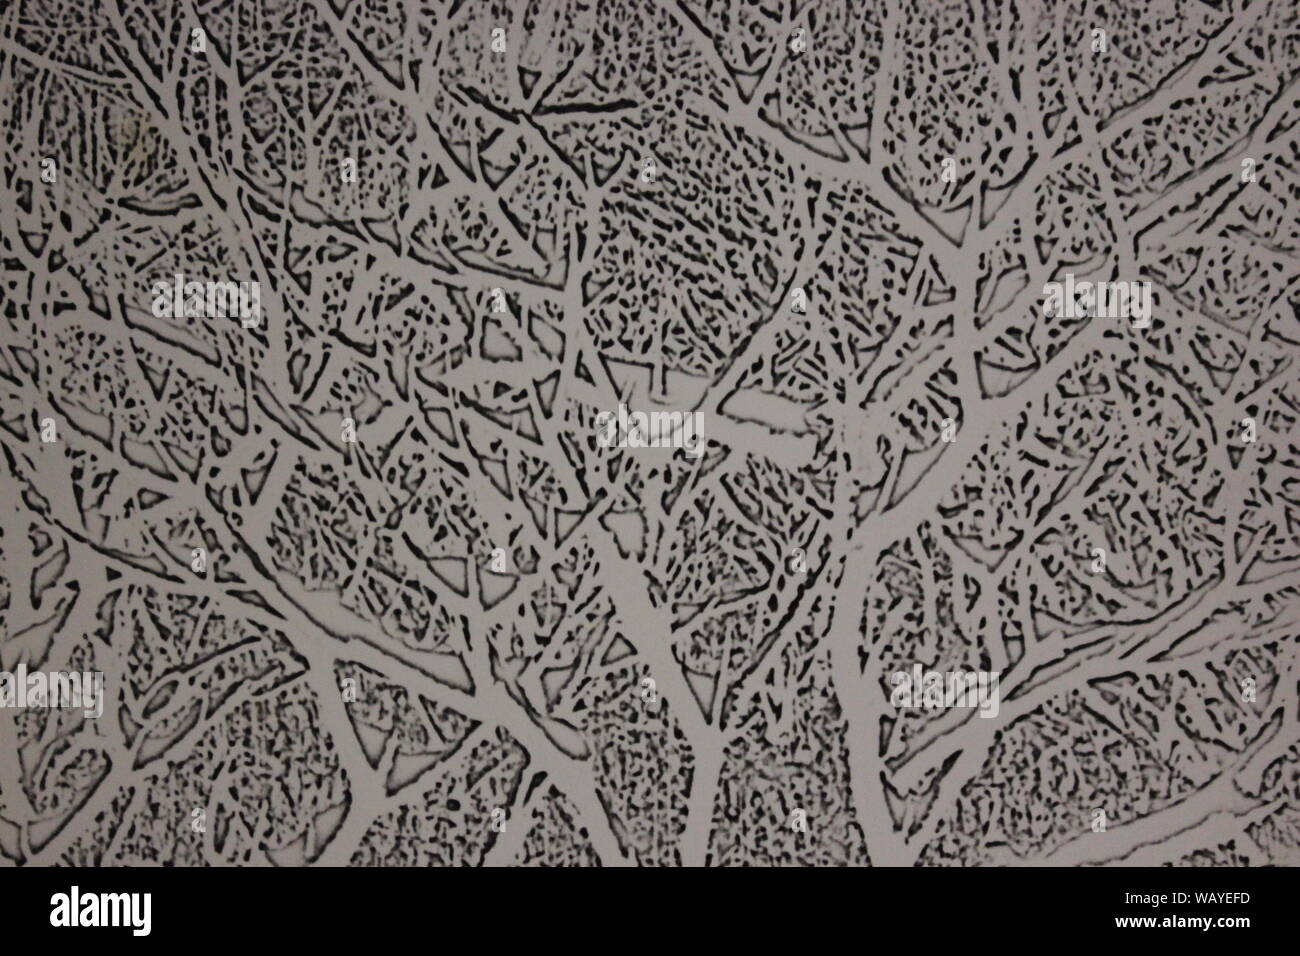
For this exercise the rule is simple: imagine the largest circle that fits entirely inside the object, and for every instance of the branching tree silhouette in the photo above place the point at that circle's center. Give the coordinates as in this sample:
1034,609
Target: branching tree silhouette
438,622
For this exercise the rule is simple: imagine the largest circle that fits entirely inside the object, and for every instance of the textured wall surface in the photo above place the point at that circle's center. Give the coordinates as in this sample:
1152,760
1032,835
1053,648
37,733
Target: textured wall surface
371,578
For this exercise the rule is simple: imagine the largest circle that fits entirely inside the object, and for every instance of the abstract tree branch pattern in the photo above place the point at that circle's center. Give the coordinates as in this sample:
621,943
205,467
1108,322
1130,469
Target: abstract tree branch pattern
364,583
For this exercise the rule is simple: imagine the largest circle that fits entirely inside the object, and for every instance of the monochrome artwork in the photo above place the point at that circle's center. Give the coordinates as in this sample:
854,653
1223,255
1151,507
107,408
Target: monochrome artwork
649,432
